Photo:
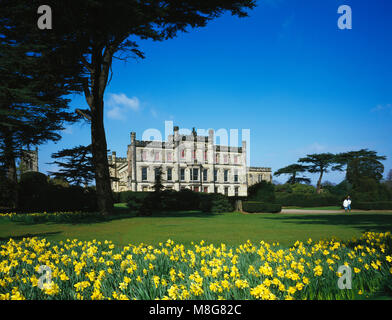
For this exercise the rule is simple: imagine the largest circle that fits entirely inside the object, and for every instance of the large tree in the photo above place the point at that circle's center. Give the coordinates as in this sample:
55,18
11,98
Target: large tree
320,163
75,165
94,32
293,170
32,105
361,164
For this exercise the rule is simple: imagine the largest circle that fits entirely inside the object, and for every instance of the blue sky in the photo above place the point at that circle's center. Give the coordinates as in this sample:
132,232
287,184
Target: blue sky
287,73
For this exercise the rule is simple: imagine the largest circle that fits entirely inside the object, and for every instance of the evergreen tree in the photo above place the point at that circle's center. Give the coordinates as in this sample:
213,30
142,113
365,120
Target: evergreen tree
293,171
320,163
93,33
32,105
361,165
77,166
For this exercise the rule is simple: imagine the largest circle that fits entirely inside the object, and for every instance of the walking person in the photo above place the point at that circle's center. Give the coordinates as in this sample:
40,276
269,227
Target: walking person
345,204
349,204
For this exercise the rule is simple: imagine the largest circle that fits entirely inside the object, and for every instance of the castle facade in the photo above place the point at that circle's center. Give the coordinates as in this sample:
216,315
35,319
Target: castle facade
186,162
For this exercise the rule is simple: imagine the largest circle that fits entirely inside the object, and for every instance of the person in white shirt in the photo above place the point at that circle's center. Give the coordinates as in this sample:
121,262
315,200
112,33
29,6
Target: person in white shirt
345,204
349,203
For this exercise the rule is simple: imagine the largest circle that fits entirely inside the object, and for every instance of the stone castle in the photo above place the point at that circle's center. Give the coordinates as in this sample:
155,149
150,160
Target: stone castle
186,162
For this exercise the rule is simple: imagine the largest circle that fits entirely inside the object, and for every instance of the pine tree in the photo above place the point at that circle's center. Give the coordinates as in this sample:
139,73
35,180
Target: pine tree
93,33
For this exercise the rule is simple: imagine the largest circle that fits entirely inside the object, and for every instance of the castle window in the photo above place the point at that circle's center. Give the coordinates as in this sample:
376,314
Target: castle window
236,191
215,175
235,175
182,174
205,172
169,174
217,158
156,173
226,191
205,190
182,154
195,174
225,158
236,159
169,156
205,155
144,155
156,156
226,175
144,174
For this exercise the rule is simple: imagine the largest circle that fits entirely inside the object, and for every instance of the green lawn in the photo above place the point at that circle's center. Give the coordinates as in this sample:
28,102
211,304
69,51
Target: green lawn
229,228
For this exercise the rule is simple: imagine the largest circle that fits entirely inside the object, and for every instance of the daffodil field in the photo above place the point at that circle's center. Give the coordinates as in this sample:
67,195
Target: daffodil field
102,270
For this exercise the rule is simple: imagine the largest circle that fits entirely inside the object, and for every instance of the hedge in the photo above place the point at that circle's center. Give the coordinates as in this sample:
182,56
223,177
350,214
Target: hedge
308,200
215,203
126,196
36,194
171,200
262,207
376,205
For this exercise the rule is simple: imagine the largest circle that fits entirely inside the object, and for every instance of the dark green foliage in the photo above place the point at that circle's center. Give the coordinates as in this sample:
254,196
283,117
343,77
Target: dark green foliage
374,205
263,191
361,164
72,198
36,194
33,191
215,203
8,192
320,163
88,35
187,199
116,197
146,203
342,189
293,171
308,200
126,196
77,166
260,207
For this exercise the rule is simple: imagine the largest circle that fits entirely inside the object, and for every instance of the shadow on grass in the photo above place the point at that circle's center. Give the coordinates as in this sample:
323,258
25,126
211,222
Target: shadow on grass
119,214
29,235
365,222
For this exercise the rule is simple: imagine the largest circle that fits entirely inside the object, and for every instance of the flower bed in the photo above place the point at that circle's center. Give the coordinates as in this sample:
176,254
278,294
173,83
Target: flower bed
102,270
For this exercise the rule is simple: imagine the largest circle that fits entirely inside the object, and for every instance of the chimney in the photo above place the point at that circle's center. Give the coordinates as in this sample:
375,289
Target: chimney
133,138
176,136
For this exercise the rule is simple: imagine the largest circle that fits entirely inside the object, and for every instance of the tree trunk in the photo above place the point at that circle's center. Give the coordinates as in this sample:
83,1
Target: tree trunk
318,190
99,73
9,155
100,160
9,162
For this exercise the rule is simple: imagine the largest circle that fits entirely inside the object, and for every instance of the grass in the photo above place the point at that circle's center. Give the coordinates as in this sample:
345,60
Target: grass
185,227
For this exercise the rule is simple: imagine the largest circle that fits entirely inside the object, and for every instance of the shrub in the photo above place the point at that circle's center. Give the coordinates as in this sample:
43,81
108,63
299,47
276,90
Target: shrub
308,200
8,192
375,205
135,200
215,203
36,194
263,191
256,206
33,191
116,197
303,188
